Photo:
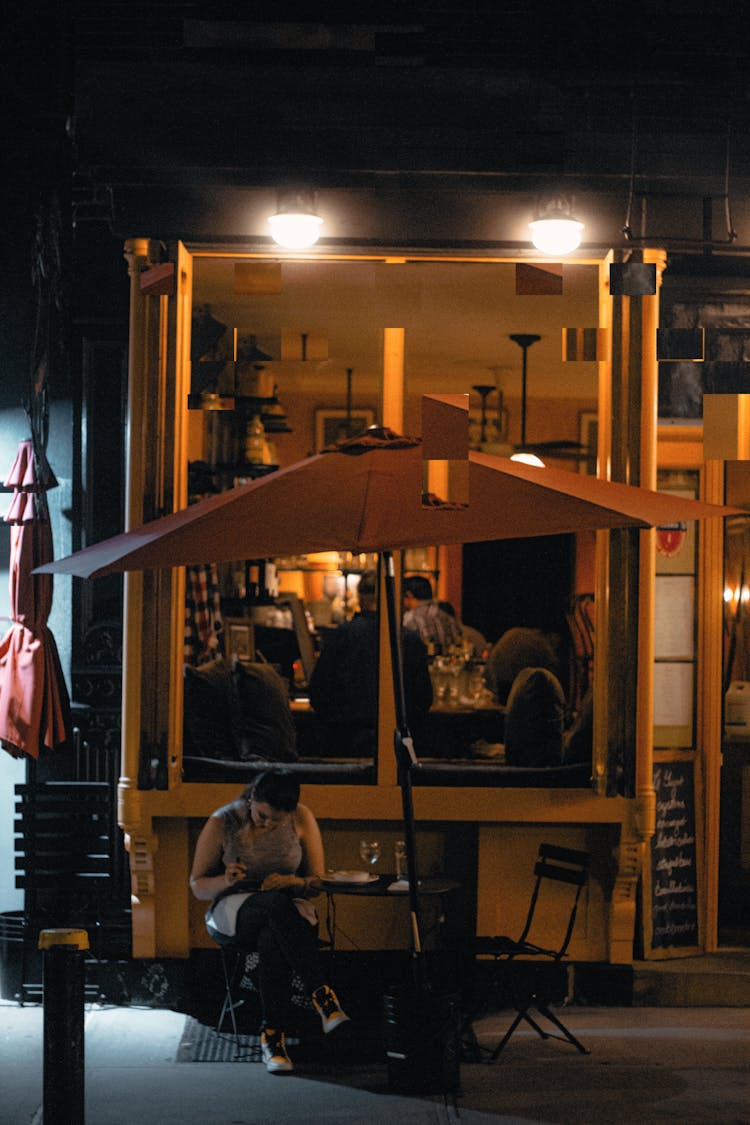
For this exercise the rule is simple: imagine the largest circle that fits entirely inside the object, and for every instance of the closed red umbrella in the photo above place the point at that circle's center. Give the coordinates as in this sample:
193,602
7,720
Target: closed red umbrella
34,702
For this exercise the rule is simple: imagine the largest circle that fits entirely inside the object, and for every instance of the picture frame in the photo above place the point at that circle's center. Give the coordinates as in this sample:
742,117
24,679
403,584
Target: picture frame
332,424
239,639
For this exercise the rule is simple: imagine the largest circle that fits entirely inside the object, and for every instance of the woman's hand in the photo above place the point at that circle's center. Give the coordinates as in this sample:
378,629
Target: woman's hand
233,872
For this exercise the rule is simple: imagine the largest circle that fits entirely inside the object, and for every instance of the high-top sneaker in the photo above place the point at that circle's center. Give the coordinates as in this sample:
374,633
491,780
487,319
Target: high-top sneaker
328,1008
273,1049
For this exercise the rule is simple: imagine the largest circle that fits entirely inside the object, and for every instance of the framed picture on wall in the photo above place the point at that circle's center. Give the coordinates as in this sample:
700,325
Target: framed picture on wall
332,425
239,638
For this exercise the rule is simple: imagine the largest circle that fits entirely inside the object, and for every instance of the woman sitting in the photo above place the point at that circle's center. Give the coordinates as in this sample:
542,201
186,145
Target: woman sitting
258,861
534,720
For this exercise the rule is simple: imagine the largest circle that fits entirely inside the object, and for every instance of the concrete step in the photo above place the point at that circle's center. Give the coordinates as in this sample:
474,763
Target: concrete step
712,980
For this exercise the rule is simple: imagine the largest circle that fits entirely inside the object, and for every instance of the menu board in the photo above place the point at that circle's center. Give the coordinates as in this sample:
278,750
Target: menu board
673,896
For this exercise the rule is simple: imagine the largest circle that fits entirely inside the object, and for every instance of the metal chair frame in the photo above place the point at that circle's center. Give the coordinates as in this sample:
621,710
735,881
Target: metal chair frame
232,964
561,865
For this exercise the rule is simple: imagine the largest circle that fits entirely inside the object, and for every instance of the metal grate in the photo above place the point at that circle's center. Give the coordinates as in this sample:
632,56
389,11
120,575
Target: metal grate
200,1043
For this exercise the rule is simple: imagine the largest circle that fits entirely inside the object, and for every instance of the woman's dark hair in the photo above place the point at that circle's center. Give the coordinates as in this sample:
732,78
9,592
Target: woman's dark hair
278,788
534,719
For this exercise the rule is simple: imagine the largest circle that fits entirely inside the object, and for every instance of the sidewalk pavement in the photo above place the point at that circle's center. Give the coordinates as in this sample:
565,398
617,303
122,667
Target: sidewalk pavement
650,1066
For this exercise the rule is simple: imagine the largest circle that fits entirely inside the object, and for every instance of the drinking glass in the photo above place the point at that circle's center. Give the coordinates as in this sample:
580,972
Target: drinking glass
369,851
476,684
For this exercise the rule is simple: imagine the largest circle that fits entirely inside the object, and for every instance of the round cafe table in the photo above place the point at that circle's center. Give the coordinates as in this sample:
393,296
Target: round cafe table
431,885
379,888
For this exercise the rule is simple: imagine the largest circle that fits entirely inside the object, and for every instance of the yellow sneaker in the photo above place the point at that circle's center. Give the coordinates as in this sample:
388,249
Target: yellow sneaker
273,1050
328,1008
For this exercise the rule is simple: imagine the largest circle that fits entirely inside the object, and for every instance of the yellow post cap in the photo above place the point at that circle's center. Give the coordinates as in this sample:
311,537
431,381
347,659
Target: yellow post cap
48,939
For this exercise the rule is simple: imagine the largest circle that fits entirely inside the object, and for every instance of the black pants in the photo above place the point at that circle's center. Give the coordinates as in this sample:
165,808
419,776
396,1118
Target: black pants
286,943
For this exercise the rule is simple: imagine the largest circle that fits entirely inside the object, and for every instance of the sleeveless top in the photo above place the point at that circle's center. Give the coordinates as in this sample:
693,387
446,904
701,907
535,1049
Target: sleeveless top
262,853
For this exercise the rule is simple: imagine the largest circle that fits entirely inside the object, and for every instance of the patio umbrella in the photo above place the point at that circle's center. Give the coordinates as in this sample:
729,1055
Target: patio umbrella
34,702
366,496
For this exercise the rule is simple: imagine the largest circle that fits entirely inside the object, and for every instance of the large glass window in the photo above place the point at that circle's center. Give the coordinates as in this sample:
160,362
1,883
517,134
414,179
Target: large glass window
288,356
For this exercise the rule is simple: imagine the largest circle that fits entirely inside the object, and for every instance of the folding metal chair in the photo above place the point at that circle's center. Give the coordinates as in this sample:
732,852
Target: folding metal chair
531,986
232,964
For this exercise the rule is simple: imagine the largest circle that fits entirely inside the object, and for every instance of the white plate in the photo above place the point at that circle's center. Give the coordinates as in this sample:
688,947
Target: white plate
350,877
401,886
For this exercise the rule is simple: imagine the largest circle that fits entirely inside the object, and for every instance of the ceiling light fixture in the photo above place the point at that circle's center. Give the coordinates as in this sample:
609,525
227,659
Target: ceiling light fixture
554,229
528,459
295,226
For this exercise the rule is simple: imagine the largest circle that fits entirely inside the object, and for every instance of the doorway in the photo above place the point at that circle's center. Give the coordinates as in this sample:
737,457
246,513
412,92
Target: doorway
734,821
526,582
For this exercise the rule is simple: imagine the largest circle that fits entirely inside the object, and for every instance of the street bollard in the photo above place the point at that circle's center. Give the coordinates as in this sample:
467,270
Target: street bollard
63,1101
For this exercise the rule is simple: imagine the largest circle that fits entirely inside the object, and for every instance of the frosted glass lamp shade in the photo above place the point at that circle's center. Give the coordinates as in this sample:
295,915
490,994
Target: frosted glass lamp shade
295,230
558,235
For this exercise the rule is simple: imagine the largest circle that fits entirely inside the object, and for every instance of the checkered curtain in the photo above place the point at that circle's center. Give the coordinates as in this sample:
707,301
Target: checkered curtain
203,624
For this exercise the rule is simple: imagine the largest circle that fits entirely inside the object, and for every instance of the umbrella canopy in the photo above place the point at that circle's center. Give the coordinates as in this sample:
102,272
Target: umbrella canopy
371,501
34,702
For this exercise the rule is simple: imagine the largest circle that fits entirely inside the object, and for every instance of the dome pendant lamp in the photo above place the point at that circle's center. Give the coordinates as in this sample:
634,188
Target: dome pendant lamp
554,229
295,226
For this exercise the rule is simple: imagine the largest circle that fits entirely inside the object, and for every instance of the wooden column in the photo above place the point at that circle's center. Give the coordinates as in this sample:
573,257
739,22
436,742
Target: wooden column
647,478
623,758
709,701
393,416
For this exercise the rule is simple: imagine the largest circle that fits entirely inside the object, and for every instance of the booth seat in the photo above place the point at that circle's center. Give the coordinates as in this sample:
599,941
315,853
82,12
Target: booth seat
495,774
238,723
430,771
311,771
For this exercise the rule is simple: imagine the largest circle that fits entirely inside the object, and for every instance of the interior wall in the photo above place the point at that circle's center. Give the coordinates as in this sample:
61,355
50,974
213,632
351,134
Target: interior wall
507,854
458,317
316,329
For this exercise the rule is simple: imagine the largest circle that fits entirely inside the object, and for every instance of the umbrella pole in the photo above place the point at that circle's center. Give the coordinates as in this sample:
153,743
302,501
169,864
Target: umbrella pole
405,759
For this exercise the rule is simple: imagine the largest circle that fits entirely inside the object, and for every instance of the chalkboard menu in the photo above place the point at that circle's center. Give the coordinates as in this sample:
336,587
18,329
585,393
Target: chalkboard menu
674,874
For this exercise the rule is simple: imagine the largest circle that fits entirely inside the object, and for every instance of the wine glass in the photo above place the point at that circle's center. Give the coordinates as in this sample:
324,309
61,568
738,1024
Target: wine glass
476,684
399,850
369,851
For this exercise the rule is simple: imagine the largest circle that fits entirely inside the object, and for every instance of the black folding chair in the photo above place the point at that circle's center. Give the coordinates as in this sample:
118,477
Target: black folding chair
531,984
232,962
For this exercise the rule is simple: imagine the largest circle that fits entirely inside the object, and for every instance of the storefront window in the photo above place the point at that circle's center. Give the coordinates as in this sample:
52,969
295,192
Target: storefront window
287,357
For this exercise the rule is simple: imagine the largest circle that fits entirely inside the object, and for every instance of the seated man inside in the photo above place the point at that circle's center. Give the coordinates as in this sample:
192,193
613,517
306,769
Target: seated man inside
237,712
258,861
423,616
343,686
477,640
